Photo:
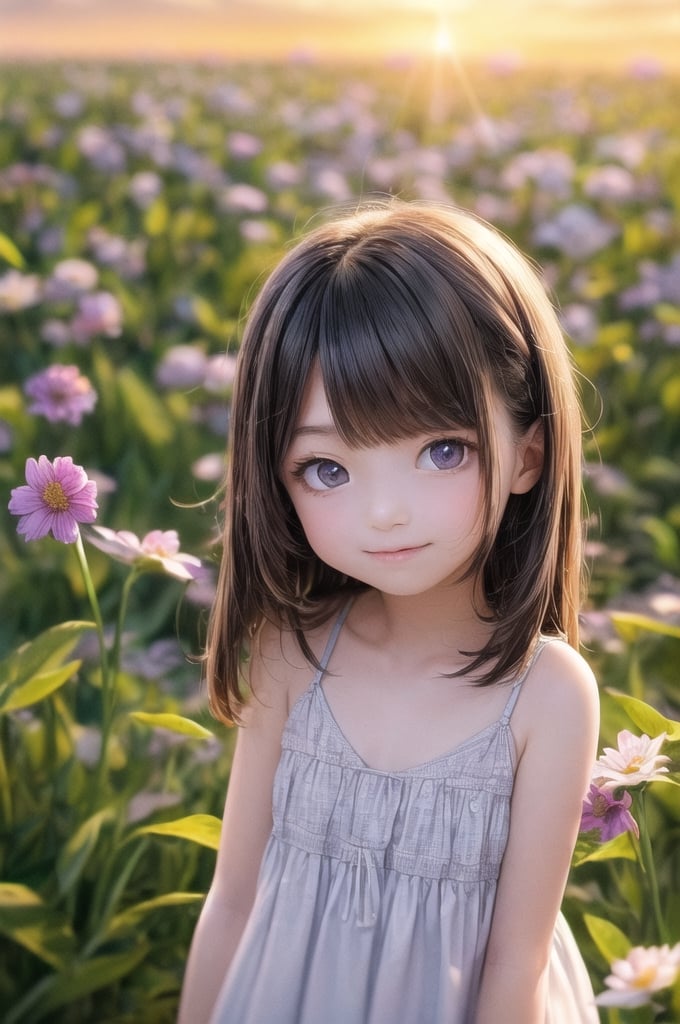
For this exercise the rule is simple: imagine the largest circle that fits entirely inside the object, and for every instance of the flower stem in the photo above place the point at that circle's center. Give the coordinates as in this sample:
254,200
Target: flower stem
103,658
122,611
649,869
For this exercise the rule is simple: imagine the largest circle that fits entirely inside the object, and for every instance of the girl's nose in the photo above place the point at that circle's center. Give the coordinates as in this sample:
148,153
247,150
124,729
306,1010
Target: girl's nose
388,507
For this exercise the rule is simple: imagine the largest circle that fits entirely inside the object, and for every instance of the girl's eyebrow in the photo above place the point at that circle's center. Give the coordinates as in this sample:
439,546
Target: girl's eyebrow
325,430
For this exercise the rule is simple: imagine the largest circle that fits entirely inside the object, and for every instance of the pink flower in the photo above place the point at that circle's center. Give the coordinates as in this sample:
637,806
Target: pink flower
610,817
636,760
56,498
256,231
220,371
158,550
610,182
243,145
242,198
60,393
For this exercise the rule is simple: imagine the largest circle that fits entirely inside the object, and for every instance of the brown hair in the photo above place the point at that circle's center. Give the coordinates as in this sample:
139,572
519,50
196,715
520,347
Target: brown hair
417,316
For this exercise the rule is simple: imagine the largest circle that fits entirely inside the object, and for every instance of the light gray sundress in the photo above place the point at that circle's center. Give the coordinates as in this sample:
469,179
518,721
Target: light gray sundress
376,889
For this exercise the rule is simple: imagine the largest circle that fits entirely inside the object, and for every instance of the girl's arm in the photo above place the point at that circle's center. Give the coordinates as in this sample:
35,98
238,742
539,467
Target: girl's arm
557,717
245,830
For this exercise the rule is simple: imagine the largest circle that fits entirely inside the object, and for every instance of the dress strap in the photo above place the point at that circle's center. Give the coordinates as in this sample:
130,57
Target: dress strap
517,685
331,642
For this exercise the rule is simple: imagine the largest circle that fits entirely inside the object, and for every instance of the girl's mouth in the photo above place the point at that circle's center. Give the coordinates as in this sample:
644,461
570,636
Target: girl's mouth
396,554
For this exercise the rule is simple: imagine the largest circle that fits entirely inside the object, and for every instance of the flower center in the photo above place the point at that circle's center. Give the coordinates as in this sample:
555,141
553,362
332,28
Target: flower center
633,766
158,550
54,496
645,978
600,806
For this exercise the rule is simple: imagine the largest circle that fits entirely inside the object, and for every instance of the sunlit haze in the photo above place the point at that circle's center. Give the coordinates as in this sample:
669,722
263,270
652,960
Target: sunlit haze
565,31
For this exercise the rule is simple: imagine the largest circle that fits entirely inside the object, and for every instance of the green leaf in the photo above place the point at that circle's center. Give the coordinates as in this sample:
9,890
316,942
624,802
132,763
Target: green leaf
86,976
156,218
206,315
9,252
647,718
44,652
28,921
40,686
675,998
175,723
203,829
145,409
74,856
131,917
610,940
629,625
621,847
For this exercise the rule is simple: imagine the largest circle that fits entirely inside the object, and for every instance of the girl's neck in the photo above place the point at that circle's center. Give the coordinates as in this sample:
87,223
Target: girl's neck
442,620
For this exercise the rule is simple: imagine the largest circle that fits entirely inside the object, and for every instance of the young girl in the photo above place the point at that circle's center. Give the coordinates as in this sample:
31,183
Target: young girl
402,563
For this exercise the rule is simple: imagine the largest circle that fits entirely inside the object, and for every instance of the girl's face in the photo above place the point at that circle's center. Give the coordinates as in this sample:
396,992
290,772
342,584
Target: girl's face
403,518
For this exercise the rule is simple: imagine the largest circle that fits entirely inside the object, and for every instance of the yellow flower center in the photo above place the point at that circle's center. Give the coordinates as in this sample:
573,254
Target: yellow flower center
645,978
54,496
633,766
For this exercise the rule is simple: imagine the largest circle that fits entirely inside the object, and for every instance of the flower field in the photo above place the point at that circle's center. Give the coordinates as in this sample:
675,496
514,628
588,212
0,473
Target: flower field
140,209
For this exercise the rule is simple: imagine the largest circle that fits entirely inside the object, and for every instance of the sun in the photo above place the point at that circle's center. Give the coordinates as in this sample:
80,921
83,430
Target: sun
443,44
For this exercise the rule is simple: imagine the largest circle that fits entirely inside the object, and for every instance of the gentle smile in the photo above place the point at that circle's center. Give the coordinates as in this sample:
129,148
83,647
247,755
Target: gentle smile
395,554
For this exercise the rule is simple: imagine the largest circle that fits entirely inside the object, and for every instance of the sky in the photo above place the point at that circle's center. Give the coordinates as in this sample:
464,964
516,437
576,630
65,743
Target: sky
587,32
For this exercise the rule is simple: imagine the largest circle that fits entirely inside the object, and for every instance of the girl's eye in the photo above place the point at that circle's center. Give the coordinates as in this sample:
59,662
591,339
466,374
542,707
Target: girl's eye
322,474
447,454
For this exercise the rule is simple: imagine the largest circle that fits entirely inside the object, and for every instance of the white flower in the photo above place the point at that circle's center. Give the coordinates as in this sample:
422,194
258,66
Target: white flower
18,291
645,970
71,278
636,760
159,546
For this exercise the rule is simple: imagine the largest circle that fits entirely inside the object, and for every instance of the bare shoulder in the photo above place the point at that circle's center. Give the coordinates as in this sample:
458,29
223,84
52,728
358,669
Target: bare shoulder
278,671
559,696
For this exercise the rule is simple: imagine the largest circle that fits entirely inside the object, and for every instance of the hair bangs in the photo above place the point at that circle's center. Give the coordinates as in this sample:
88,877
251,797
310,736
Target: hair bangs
392,369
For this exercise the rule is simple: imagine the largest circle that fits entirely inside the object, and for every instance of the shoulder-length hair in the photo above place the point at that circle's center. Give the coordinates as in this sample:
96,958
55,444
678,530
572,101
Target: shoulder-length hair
419,317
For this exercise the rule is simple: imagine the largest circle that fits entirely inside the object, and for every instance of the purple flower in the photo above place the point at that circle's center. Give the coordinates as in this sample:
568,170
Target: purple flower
101,148
610,816
576,231
144,187
61,393
71,278
182,366
56,498
98,313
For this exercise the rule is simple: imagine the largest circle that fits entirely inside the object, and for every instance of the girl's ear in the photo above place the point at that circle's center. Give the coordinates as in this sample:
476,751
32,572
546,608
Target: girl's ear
529,460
